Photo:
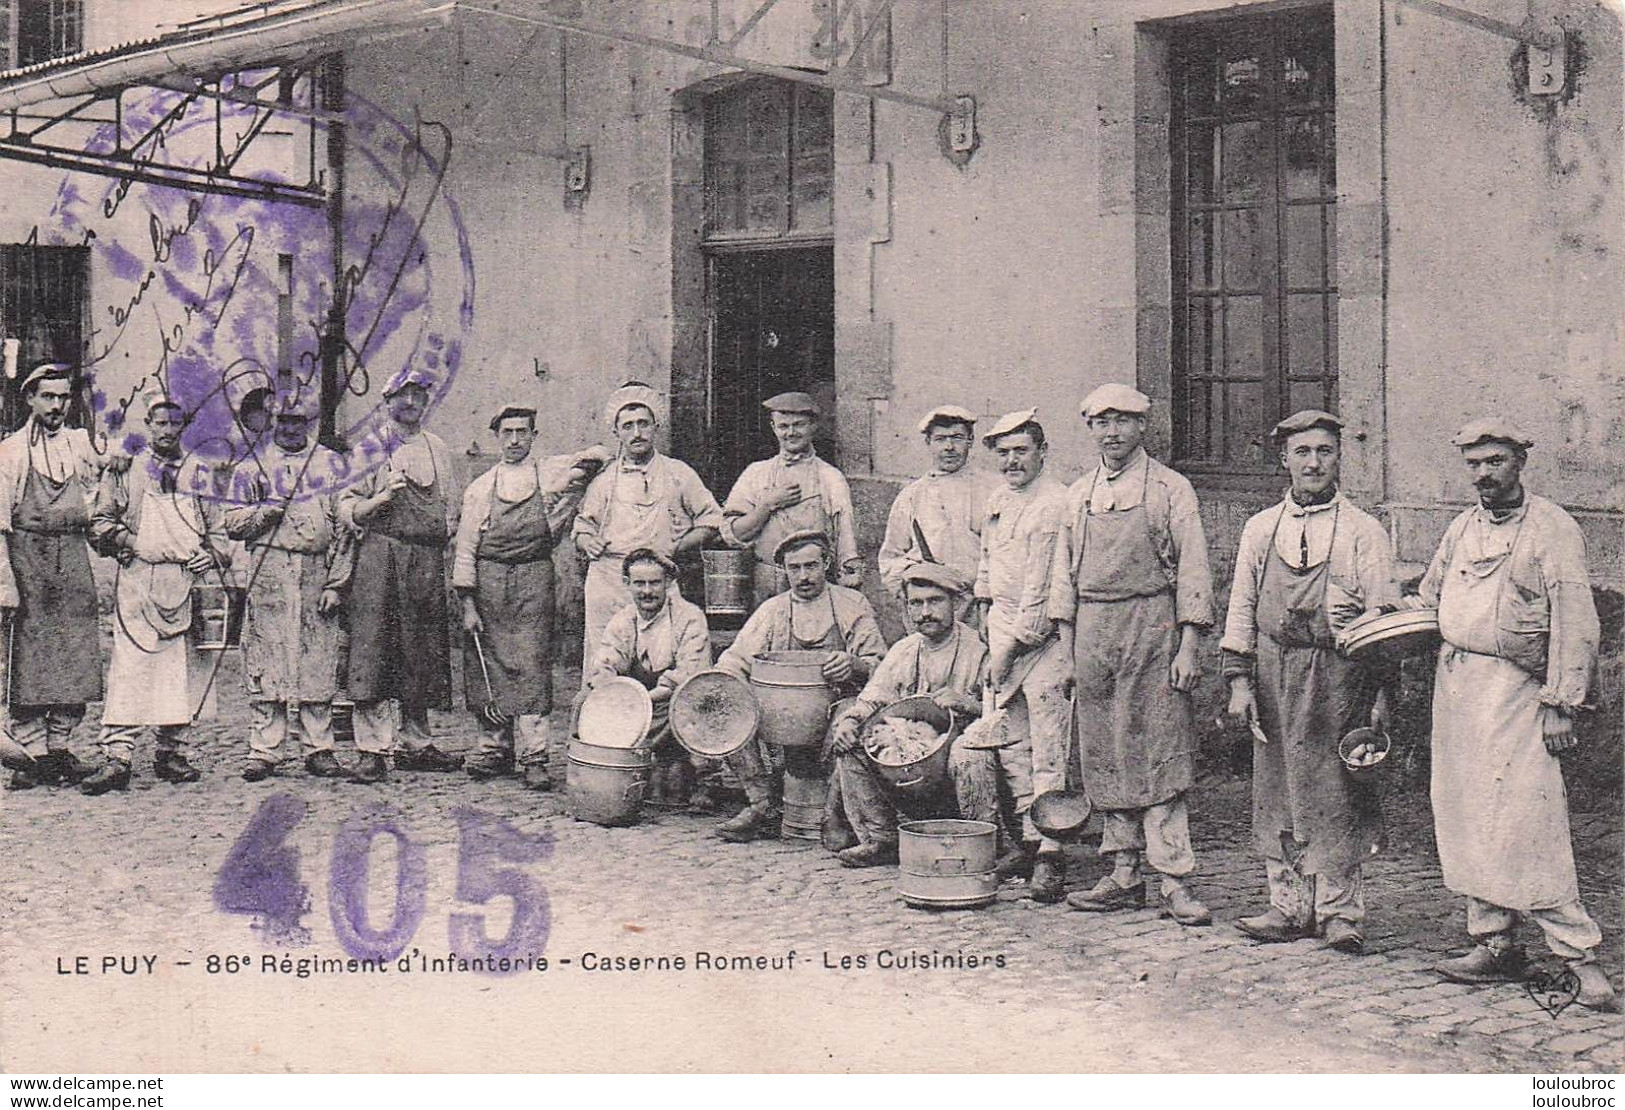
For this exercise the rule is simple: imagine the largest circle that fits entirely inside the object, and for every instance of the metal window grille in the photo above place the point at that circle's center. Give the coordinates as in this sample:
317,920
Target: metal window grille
42,304
1254,233
39,30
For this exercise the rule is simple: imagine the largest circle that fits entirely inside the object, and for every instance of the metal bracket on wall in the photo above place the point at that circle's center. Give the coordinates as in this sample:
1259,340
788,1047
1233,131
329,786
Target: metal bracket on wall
1547,55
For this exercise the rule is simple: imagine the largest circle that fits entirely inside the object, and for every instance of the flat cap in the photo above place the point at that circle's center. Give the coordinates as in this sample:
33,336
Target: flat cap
792,402
1114,396
1304,420
647,555
801,539
946,414
411,375
1492,428
629,394
512,412
1008,423
935,574
47,370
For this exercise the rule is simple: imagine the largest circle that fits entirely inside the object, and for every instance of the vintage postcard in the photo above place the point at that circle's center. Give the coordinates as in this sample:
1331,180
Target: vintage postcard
811,536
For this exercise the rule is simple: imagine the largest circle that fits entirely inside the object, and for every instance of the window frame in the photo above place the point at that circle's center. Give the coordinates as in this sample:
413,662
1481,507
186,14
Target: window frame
63,30
787,234
1188,45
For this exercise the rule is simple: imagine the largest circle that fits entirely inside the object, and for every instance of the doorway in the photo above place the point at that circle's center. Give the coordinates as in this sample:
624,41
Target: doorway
773,330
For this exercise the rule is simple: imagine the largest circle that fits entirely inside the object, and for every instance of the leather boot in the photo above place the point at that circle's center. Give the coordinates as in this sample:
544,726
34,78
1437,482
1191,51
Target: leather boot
258,770
1274,927
427,758
173,767
486,765
370,767
23,778
324,765
1048,883
877,854
1345,937
1108,895
538,777
1484,965
1183,906
1596,992
1016,862
754,822
112,775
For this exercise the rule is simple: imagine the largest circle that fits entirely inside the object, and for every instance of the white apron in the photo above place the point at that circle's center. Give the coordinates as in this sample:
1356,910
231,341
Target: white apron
154,678
1500,811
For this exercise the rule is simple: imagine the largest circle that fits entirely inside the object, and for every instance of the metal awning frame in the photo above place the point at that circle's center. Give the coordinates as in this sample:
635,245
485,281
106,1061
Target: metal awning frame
142,160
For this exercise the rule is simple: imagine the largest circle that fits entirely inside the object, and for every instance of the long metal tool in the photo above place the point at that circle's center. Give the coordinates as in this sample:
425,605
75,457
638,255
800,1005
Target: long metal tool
491,714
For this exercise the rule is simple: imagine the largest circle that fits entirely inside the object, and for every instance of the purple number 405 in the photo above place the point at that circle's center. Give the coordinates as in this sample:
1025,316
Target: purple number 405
260,876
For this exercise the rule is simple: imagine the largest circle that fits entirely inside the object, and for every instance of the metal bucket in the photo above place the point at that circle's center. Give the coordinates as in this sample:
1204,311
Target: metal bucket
217,616
803,805
728,582
926,777
795,698
947,863
607,785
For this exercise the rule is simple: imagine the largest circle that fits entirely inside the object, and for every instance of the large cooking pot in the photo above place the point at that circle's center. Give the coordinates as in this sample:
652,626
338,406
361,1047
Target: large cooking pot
946,863
1377,636
794,696
607,785
928,775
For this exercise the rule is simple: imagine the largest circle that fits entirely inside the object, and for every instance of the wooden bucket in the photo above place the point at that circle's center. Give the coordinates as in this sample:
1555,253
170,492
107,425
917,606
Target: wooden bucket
728,582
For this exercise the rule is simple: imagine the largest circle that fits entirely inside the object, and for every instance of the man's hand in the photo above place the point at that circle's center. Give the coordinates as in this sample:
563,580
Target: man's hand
1186,669
125,556
329,603
591,546
1243,707
1001,661
846,736
471,617
840,666
784,497
200,563
1557,729
961,705
852,580
660,694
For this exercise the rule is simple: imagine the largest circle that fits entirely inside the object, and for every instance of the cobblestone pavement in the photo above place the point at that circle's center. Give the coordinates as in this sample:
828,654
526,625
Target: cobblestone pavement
133,873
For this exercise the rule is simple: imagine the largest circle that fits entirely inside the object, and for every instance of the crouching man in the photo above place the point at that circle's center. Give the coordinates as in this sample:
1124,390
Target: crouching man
944,660
660,640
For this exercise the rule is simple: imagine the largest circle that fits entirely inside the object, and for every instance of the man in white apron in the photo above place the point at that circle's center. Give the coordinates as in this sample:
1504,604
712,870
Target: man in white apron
1027,661
642,499
1306,568
150,518
812,615
1520,638
502,570
299,558
48,476
1131,583
945,660
794,491
402,513
660,641
938,518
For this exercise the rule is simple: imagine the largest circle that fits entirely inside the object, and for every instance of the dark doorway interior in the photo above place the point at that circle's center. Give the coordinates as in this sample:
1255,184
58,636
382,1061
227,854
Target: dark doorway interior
773,329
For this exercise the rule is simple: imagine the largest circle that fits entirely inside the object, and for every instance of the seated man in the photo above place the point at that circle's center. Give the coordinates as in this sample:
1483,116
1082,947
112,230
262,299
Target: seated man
946,660
661,640
812,615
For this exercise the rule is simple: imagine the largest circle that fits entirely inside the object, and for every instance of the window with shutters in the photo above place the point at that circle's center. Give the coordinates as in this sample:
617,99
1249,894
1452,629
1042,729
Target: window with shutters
42,307
1254,230
770,161
39,30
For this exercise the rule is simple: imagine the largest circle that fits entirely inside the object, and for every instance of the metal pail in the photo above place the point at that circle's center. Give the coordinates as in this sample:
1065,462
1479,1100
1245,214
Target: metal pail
803,805
795,698
946,863
606,793
728,578
926,777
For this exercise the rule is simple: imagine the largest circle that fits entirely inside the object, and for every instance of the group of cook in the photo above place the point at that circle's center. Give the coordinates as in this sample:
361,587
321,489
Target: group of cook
1074,611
